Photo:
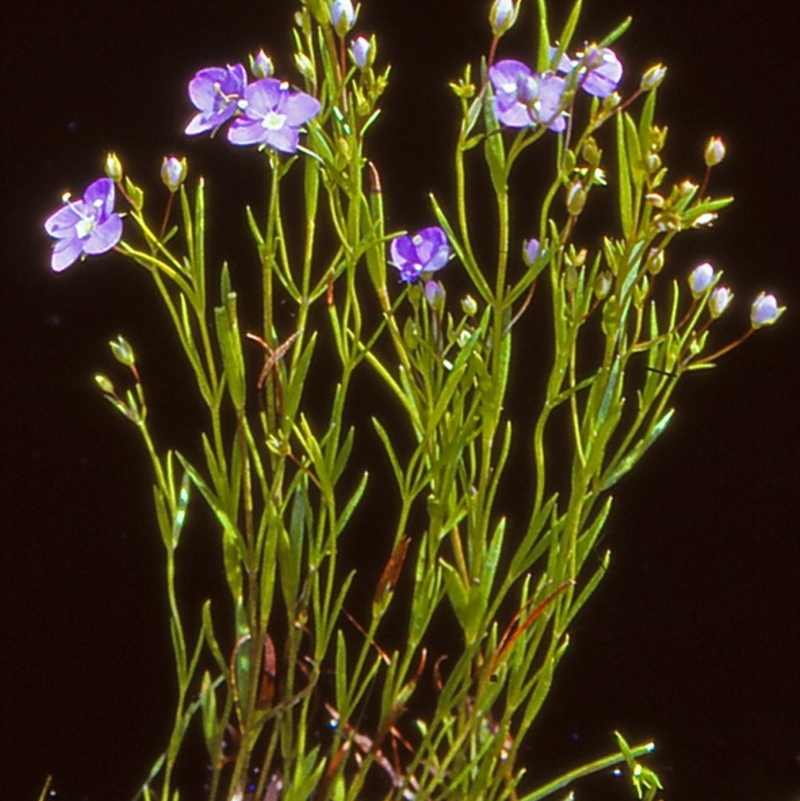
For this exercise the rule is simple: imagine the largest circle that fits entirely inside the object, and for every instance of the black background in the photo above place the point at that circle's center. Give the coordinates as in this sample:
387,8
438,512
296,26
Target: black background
693,638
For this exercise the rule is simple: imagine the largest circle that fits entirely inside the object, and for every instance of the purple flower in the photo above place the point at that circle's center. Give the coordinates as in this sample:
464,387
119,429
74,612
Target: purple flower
524,98
719,300
87,226
272,115
502,16
173,172
420,253
605,72
701,278
765,311
343,16
361,51
601,70
530,251
217,93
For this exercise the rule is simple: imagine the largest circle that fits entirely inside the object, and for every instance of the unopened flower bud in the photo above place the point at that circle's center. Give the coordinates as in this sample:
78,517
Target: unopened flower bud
701,278
343,16
687,187
113,167
655,261
591,152
602,285
361,51
530,251
502,16
261,65
765,311
434,294
305,67
611,101
104,383
714,152
469,306
720,299
653,77
576,199
571,277
122,350
173,172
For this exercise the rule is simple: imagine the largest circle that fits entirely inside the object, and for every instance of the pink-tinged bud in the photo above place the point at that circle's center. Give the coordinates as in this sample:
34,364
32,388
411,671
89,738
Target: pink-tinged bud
701,278
765,311
113,168
173,172
261,65
502,16
720,299
343,16
362,53
653,77
434,294
714,152
530,251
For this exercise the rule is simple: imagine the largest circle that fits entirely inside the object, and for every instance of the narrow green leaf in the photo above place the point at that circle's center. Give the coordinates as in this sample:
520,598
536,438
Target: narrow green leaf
624,178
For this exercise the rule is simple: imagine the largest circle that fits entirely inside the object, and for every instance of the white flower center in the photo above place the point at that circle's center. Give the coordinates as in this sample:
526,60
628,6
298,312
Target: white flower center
84,227
273,121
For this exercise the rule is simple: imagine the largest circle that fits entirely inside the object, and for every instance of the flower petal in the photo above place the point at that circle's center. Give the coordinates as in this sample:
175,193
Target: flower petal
65,253
104,236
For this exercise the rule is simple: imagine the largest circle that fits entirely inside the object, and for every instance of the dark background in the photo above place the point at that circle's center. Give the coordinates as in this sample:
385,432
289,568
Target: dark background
692,639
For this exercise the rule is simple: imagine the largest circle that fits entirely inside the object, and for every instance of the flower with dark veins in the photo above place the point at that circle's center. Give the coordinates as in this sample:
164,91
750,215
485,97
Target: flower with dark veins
600,70
272,116
88,226
524,98
419,254
218,94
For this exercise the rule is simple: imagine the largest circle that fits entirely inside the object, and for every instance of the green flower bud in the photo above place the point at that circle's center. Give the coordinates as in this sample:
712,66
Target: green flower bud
305,67
469,305
655,261
653,77
602,285
714,152
113,167
104,383
576,199
591,152
122,350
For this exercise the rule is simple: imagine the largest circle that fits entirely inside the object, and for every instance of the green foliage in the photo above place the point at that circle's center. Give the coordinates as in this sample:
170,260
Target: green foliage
296,691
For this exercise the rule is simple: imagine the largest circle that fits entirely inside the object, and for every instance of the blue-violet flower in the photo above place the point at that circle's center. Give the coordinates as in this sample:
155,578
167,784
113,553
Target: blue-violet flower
719,300
343,16
173,172
88,226
701,278
218,94
419,254
524,98
502,15
272,115
600,70
530,251
360,50
765,311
